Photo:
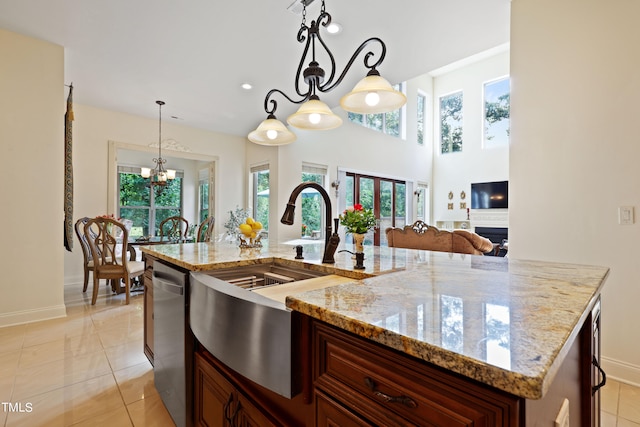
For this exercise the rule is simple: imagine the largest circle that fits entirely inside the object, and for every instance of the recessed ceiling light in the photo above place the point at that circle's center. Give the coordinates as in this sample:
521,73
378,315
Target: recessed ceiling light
334,28
246,86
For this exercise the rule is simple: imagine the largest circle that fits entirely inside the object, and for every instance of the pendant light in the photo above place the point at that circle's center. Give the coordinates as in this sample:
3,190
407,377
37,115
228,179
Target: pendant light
159,175
372,95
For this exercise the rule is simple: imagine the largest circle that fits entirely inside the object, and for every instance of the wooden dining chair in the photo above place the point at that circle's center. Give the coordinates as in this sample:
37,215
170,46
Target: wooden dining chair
174,228
110,260
205,230
86,249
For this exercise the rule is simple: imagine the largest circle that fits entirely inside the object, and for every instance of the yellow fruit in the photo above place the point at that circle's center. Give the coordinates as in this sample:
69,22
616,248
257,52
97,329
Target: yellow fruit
245,229
257,225
249,221
254,235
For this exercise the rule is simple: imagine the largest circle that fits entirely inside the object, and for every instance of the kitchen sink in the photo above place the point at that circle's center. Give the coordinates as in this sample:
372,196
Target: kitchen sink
259,276
254,335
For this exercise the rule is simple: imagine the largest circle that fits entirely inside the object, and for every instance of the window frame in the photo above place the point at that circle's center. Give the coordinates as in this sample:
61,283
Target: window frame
485,142
152,208
460,122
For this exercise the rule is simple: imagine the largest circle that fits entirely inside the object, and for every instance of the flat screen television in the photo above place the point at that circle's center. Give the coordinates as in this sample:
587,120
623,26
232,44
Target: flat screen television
490,195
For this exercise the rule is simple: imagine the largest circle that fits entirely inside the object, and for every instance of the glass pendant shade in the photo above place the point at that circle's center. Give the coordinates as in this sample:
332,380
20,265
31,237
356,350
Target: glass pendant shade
373,95
171,174
145,172
314,115
272,132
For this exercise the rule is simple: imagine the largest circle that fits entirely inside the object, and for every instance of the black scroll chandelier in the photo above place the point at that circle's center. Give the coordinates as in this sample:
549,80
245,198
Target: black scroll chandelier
372,95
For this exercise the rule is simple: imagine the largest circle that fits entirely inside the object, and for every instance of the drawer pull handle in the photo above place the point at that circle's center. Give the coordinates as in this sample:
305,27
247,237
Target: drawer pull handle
597,387
407,401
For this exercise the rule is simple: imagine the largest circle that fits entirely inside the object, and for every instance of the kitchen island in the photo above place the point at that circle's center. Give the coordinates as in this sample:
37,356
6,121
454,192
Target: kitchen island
497,341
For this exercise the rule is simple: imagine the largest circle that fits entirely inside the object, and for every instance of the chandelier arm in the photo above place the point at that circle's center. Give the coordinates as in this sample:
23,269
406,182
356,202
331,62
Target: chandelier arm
325,19
274,103
329,85
302,38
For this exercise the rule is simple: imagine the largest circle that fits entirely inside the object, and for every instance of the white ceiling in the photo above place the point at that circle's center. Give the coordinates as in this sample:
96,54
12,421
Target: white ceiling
123,55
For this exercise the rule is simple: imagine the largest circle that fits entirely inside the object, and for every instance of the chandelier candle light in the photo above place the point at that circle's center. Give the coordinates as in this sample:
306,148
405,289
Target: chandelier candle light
372,95
159,175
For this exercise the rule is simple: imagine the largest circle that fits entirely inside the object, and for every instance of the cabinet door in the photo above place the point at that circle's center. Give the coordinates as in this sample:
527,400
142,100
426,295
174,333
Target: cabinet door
214,397
330,413
251,416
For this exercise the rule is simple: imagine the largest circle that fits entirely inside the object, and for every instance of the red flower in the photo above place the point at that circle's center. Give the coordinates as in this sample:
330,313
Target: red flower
357,207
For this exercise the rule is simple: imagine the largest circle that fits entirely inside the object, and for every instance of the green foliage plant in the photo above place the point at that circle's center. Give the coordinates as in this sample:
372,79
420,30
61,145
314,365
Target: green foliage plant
357,219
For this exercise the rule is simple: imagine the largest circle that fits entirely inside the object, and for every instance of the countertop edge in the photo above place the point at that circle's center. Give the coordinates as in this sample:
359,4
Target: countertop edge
528,387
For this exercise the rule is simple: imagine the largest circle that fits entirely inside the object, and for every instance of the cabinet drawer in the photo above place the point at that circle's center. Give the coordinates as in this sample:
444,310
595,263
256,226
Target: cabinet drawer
393,389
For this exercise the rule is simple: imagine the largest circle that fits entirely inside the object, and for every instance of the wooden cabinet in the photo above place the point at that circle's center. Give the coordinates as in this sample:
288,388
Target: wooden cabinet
358,382
219,402
148,307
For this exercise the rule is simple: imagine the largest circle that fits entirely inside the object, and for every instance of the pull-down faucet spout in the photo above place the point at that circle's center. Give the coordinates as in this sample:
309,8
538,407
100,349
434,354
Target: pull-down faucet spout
331,239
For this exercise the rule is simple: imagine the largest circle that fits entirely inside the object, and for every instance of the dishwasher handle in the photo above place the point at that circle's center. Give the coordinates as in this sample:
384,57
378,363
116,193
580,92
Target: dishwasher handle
167,286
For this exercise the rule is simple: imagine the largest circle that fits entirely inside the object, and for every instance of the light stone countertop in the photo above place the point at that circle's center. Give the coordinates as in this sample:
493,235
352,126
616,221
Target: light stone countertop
506,323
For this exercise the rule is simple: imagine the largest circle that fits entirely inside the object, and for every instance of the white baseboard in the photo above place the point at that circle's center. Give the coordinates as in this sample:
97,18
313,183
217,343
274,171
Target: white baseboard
30,316
621,371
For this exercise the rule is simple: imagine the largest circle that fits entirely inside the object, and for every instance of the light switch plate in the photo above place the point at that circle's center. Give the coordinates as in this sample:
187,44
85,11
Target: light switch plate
626,215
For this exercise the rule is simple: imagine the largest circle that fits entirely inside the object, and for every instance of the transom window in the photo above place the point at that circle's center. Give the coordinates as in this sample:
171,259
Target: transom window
451,123
497,105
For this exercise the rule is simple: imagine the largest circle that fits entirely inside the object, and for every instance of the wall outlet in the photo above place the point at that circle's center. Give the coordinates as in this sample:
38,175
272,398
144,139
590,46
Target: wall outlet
562,419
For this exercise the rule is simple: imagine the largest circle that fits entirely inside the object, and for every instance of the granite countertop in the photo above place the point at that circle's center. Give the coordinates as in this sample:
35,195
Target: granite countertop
506,323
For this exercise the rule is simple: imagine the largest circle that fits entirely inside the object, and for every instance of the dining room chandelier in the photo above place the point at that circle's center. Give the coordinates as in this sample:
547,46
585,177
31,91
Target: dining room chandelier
158,175
371,95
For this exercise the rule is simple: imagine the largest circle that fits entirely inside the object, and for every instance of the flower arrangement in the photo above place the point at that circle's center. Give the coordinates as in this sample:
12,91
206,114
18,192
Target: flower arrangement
357,219
304,229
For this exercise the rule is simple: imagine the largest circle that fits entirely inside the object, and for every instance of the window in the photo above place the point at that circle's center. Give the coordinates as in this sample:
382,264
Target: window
451,123
312,202
147,208
389,123
203,194
260,191
497,105
420,119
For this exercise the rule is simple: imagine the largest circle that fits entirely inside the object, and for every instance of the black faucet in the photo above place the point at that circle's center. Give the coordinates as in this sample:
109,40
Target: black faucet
331,239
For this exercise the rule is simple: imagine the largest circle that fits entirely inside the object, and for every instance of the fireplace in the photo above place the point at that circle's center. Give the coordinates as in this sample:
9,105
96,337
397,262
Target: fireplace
496,235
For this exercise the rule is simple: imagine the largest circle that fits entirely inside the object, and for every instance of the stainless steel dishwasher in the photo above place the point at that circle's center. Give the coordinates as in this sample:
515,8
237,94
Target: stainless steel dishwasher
173,342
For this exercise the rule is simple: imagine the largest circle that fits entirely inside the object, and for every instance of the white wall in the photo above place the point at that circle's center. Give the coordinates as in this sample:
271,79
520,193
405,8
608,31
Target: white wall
94,128
32,108
456,171
574,151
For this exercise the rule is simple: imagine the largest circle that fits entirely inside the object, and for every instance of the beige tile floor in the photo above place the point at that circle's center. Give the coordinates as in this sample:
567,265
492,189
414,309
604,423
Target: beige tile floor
88,370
